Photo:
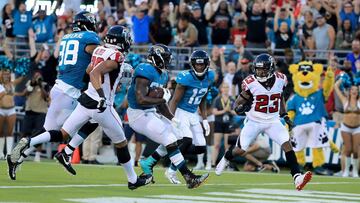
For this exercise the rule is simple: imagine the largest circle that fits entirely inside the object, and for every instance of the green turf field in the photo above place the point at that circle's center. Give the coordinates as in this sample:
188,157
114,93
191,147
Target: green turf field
48,182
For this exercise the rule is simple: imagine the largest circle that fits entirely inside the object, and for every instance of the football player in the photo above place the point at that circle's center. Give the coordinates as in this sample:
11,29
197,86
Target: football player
192,86
106,70
74,56
142,114
261,98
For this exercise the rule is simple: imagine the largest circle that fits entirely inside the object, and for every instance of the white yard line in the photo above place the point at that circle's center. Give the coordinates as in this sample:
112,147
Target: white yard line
270,197
128,200
216,199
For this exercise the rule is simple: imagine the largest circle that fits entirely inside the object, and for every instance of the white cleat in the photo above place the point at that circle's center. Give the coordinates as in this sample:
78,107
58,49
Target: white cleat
171,176
346,174
302,179
221,166
208,167
199,166
355,174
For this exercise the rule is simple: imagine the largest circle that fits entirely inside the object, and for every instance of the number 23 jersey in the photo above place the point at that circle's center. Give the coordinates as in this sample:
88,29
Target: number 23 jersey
266,100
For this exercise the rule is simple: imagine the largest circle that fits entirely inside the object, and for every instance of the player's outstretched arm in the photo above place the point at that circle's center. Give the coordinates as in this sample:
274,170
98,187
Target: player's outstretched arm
178,94
141,88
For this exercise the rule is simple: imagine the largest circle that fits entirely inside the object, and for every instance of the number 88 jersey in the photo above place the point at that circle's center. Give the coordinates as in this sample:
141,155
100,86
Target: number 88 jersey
266,100
73,59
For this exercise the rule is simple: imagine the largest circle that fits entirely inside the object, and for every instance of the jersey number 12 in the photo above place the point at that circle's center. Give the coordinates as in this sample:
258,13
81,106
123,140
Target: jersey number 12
197,96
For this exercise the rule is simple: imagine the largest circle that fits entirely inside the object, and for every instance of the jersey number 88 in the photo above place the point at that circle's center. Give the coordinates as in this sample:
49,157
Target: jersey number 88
68,52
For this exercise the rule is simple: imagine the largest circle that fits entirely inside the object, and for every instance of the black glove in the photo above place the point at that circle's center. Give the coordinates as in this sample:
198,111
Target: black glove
101,104
289,122
242,108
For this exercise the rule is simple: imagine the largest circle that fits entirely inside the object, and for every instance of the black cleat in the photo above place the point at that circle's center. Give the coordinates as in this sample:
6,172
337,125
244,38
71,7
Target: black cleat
12,167
64,160
194,181
142,180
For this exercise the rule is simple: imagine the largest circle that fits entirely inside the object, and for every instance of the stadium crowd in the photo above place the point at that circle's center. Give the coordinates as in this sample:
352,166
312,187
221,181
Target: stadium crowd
234,31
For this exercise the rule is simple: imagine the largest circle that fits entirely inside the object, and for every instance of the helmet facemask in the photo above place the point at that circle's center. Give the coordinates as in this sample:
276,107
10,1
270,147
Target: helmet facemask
202,70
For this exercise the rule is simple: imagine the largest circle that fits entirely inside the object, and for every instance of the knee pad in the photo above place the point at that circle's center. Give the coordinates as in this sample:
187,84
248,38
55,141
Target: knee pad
55,136
318,157
123,154
87,129
185,145
300,156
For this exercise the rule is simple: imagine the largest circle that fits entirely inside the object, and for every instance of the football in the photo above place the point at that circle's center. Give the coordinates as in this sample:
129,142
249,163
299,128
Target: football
156,92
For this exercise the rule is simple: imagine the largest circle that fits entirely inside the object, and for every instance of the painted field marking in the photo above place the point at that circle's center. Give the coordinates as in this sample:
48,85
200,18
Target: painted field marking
216,199
304,193
128,200
274,196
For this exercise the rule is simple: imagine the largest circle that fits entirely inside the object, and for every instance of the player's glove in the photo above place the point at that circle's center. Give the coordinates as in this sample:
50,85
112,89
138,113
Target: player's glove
242,108
175,123
167,95
101,104
289,123
206,127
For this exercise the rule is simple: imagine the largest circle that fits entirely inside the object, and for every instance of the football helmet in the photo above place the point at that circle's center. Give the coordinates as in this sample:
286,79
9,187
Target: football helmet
263,67
84,21
199,57
159,56
118,37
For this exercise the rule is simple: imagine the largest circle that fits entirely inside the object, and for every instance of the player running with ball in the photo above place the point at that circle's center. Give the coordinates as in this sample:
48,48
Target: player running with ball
261,98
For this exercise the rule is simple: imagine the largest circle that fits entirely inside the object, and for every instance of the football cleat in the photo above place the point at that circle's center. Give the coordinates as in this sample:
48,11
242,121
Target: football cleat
194,181
221,166
12,167
199,166
142,180
302,179
147,165
19,149
65,160
275,168
171,176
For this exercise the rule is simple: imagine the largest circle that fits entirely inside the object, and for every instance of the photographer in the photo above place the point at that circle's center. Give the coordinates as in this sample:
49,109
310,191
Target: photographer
36,106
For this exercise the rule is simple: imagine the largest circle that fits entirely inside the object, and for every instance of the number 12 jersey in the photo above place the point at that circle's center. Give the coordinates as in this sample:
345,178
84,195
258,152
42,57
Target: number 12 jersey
266,100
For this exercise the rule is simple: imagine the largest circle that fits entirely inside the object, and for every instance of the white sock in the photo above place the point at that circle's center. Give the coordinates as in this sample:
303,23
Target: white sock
177,159
170,170
130,172
347,165
161,150
2,145
200,159
26,152
74,142
208,154
355,165
42,138
9,144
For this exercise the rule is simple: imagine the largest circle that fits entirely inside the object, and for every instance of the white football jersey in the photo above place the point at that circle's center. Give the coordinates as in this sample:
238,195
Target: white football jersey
110,80
266,101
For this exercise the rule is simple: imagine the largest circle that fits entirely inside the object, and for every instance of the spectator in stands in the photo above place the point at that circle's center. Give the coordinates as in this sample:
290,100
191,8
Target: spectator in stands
239,29
256,23
22,21
8,26
257,155
7,110
161,30
239,51
221,23
36,106
102,24
198,20
345,35
210,7
103,8
306,33
43,26
331,11
229,75
187,34
223,116
217,63
351,12
141,21
350,127
283,67
324,37
283,31
243,70
354,56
